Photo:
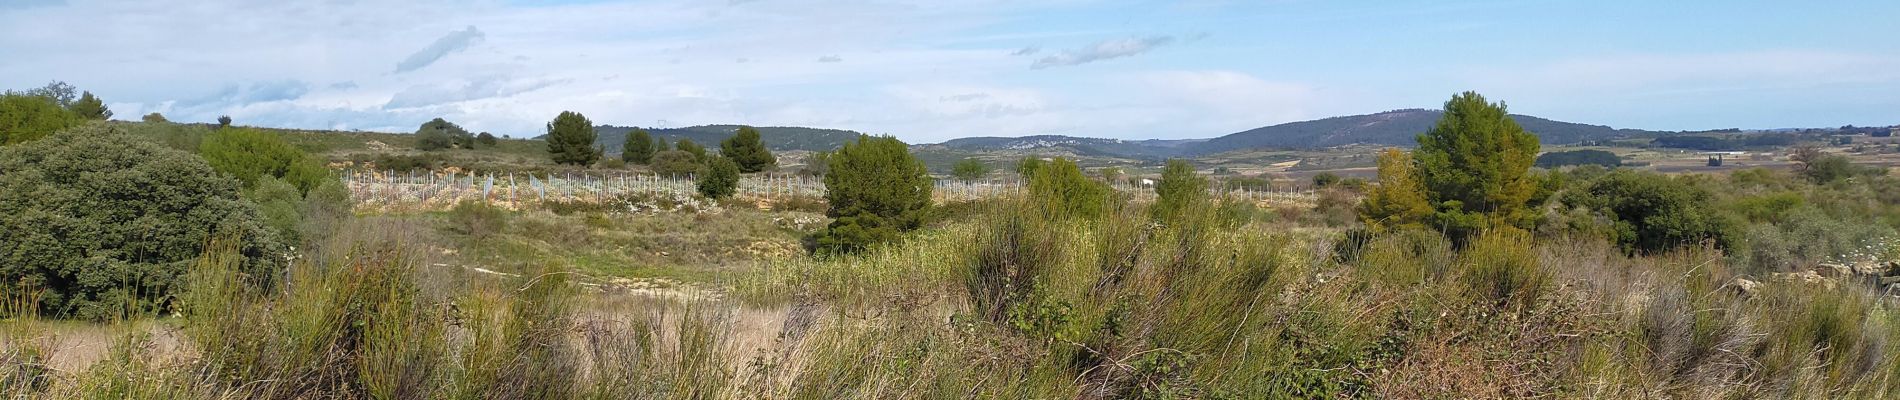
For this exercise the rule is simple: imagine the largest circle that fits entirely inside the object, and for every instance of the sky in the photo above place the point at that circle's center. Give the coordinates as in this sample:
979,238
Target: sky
932,70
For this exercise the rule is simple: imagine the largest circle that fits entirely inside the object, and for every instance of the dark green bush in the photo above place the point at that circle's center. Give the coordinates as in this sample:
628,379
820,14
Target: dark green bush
1578,157
747,150
439,134
26,117
103,221
675,163
1655,213
1180,188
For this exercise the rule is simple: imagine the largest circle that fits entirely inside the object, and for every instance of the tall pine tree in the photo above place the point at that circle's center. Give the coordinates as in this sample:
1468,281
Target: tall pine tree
638,149
747,149
571,140
90,107
1475,166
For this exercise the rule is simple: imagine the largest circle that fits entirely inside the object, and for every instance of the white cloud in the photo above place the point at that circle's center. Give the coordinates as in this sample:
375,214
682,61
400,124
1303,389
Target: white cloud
442,47
1103,50
1695,72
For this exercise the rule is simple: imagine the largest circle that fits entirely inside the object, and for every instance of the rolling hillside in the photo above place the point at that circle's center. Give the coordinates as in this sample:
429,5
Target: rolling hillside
1150,148
1397,128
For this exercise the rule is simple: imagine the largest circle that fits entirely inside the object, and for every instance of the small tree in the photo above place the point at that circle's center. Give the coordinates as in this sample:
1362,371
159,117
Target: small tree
638,149
1399,200
1325,179
698,152
155,118
485,139
659,145
1180,189
969,170
1111,175
877,190
90,107
747,149
720,179
571,140
224,121
251,155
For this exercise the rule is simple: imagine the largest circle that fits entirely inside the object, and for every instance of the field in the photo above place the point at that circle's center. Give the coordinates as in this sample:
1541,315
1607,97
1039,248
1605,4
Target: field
618,288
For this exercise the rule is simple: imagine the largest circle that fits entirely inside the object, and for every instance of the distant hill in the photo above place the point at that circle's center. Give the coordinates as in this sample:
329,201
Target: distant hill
1397,128
777,138
1150,148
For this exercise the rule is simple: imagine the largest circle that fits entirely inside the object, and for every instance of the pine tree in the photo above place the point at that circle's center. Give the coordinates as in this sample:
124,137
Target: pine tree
720,179
877,190
747,149
638,149
1179,190
698,152
1475,166
91,108
571,140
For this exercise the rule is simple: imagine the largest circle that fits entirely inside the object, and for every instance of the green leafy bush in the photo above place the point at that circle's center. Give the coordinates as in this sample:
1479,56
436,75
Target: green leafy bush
103,221
1578,157
1654,213
638,149
675,163
439,134
969,170
1475,167
26,117
1060,189
1180,188
876,190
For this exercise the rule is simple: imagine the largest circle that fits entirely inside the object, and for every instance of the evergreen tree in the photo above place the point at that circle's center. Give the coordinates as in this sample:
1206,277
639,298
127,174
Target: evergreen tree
90,107
438,134
485,139
155,118
638,149
571,140
659,145
1061,190
673,163
747,149
224,121
1028,166
720,179
1179,190
1475,166
969,170
877,190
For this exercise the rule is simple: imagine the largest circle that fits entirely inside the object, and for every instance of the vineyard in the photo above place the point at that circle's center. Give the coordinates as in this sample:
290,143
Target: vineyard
439,190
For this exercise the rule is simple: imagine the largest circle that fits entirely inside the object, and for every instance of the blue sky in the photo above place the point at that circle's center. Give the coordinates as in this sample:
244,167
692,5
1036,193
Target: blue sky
932,70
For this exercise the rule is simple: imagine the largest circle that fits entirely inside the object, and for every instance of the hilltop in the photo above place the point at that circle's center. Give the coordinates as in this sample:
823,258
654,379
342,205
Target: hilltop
776,137
1397,128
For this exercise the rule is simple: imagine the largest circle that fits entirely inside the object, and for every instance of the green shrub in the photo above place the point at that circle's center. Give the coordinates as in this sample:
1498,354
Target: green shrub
638,149
688,146
26,117
1325,179
1475,167
439,134
876,190
251,154
103,221
477,219
969,170
1501,269
675,163
1654,213
1060,189
720,180
1578,157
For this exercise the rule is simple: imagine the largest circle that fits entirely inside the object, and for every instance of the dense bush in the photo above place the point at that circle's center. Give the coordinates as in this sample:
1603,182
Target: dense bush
746,149
570,140
1654,213
1399,200
1060,189
103,221
1578,157
721,178
251,154
687,145
439,134
876,190
90,108
969,170
675,163
26,117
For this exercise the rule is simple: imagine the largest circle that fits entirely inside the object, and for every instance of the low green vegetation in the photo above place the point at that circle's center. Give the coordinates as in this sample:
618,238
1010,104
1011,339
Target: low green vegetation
1578,157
